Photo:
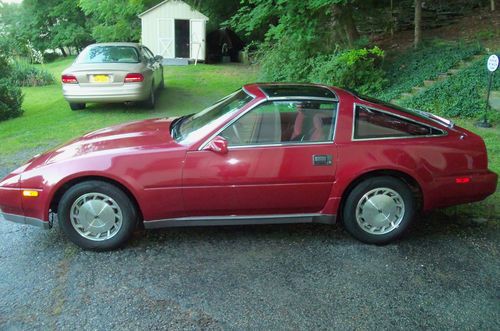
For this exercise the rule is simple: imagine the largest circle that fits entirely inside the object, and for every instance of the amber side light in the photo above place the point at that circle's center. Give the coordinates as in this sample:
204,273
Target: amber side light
30,193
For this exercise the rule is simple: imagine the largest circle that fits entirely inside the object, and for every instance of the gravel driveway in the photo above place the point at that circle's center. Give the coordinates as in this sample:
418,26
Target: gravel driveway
444,275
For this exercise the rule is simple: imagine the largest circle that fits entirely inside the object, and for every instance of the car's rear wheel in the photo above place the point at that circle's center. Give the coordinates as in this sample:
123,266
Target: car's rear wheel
379,210
151,101
162,83
76,106
97,215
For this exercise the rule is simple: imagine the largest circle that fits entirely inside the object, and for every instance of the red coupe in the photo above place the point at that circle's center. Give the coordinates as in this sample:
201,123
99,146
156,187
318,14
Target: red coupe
268,153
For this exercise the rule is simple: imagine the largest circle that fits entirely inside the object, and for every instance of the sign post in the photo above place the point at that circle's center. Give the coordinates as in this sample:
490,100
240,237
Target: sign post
492,65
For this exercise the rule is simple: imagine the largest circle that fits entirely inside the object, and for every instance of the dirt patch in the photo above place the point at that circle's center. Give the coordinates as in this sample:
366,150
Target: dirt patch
483,25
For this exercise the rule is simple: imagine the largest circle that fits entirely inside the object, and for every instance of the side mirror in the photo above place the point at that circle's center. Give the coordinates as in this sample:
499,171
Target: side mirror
158,58
218,145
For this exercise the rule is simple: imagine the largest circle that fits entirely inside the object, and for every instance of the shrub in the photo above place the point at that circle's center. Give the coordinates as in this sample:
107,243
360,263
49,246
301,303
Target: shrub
463,94
358,69
25,74
11,97
50,57
11,100
283,63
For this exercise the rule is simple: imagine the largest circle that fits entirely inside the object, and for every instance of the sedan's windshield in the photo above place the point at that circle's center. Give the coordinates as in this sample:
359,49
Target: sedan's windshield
109,54
190,128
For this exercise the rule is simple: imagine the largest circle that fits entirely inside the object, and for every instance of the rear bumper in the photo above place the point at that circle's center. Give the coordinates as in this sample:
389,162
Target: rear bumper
76,93
447,192
24,220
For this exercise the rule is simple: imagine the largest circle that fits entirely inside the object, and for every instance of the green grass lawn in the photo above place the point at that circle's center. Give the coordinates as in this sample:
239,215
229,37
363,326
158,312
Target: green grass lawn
48,121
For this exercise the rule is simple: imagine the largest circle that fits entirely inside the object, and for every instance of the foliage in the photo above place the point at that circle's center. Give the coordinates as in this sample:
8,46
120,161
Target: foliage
35,55
50,56
11,97
463,94
47,24
359,69
25,74
411,68
115,20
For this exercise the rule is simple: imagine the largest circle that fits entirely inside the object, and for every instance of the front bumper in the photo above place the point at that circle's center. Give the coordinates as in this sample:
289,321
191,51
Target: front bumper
24,220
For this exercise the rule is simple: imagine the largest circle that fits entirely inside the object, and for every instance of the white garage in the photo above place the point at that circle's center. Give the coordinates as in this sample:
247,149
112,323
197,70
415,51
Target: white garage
173,29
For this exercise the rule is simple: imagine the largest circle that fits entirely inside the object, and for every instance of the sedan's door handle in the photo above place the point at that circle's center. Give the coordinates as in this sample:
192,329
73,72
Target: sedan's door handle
322,160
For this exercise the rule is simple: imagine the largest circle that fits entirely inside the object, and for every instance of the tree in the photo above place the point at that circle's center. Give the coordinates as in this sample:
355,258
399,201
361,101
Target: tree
418,23
115,20
492,3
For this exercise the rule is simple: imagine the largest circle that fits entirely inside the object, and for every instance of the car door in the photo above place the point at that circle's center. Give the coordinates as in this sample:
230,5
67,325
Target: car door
280,160
158,64
151,64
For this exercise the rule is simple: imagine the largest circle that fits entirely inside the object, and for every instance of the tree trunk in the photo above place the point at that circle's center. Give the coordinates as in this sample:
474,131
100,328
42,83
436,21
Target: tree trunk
343,20
61,48
492,5
418,23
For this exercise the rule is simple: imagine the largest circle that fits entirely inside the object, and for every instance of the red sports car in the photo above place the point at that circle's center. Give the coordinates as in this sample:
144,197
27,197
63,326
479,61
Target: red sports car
267,153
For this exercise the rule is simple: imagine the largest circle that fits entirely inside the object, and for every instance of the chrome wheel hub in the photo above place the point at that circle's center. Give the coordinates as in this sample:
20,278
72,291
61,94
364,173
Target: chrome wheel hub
380,211
96,216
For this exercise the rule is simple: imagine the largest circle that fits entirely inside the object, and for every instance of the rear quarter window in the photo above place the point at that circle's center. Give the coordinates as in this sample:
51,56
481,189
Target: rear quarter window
372,124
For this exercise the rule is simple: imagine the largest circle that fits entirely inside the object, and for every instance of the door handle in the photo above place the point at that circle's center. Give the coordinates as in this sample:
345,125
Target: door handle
319,160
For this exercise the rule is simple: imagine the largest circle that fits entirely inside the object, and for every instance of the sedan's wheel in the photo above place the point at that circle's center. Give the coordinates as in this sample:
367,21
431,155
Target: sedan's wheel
97,215
151,102
162,83
76,106
379,210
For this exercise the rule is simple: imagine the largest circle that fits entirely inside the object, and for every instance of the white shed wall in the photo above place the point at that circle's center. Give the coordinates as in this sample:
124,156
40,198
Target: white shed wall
165,14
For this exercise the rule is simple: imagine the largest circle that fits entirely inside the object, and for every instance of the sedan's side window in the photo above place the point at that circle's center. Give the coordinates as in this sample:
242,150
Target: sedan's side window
284,122
146,55
148,52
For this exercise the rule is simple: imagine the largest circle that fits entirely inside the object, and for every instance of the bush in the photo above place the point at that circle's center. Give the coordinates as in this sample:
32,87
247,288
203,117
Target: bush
283,63
25,74
11,97
11,100
358,69
463,94
50,57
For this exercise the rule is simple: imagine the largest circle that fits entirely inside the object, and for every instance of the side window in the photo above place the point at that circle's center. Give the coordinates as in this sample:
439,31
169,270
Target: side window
370,123
146,55
284,122
148,52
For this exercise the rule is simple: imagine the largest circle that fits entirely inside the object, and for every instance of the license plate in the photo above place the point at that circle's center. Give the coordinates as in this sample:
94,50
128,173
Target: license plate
99,79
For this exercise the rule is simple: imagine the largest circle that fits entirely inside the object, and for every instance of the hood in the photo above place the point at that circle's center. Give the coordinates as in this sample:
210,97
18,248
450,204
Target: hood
135,135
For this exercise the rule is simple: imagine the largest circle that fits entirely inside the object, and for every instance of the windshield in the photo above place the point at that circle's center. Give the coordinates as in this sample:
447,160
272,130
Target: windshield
191,127
109,54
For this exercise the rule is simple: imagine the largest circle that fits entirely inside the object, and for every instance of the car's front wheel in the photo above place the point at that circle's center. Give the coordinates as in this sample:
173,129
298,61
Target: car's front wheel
76,106
379,210
97,215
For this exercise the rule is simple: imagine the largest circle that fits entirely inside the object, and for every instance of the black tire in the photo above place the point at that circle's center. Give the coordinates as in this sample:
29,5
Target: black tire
128,212
151,101
382,191
162,83
76,106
